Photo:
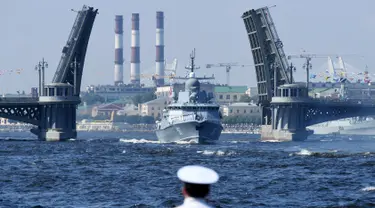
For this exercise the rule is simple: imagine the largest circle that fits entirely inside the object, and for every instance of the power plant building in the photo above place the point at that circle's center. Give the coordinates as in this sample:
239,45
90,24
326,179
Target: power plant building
125,91
121,92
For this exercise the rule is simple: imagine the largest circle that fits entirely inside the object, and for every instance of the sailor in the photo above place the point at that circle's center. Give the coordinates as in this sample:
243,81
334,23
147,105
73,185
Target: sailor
197,180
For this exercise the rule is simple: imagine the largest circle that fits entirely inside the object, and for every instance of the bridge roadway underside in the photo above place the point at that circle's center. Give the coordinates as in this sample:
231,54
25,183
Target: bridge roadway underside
54,120
26,110
319,112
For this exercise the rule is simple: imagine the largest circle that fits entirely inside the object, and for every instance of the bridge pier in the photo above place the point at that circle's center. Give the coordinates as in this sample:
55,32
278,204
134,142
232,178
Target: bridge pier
58,113
288,109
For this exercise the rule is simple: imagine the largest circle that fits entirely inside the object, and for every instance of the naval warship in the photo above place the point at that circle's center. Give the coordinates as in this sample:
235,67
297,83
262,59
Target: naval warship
349,126
192,115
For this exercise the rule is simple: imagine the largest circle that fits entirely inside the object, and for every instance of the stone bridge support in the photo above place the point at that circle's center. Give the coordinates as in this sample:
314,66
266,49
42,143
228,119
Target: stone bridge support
58,113
288,122
288,109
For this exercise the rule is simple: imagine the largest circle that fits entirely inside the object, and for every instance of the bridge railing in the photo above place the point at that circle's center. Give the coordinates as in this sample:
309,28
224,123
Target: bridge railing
19,99
364,102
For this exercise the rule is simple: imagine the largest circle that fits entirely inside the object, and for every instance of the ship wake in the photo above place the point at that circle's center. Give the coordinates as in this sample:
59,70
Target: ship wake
330,154
139,141
146,141
217,153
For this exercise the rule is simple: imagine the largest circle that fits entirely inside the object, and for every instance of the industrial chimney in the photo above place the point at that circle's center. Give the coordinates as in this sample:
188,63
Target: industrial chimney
159,48
119,58
135,51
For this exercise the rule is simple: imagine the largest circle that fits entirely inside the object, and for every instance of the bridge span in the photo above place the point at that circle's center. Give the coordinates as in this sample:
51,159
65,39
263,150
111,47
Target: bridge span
53,112
286,107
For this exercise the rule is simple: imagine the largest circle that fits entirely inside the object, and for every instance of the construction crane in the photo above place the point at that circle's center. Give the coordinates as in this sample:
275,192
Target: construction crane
172,67
153,77
307,65
228,67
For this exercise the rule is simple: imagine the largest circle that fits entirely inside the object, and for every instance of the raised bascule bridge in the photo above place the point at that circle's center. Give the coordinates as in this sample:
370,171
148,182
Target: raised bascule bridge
287,108
53,111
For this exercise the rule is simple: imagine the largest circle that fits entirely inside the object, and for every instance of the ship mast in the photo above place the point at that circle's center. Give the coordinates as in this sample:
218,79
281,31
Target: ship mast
192,66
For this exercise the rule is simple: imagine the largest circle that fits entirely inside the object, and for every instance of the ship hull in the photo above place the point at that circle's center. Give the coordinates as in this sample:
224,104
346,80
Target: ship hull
204,132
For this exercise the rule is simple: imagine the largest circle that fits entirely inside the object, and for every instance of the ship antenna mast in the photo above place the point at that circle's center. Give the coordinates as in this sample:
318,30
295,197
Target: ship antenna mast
192,66
192,56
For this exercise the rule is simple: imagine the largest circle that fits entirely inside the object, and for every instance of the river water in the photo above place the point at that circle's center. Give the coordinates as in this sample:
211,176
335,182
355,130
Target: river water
133,170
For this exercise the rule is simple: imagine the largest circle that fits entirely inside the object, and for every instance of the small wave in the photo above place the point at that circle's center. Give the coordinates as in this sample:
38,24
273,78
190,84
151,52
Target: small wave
139,141
270,140
144,141
326,140
140,206
330,154
240,142
18,139
217,153
370,188
192,141
304,152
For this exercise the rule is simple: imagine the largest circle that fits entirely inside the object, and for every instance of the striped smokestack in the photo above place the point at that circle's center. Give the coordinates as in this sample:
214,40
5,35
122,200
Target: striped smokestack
160,48
119,58
135,51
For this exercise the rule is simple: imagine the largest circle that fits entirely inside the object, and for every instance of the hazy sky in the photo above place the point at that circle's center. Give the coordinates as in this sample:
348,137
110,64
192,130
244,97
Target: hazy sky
31,30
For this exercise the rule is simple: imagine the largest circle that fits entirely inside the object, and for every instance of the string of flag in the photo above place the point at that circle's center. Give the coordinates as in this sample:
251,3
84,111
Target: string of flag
360,77
10,71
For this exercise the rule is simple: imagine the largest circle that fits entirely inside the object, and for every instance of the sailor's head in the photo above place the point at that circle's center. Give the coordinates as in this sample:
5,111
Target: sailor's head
197,180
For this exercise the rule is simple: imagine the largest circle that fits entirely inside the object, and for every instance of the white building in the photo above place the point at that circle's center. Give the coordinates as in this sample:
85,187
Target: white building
252,91
153,107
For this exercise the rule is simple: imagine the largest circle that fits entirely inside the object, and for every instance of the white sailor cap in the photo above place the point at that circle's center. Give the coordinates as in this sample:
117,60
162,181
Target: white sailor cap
196,174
